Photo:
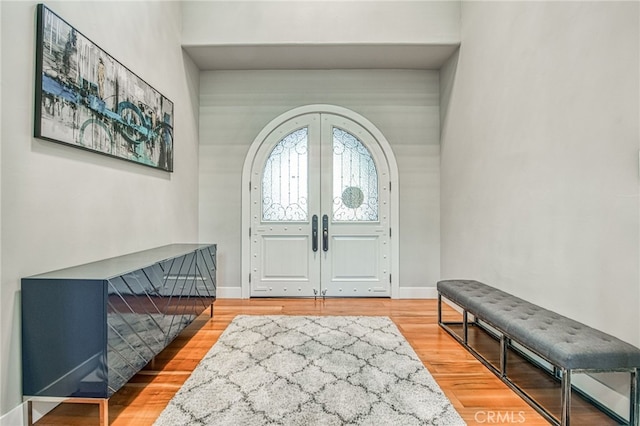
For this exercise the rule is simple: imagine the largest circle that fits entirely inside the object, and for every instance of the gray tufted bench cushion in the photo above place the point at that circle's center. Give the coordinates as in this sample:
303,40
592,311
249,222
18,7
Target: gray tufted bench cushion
563,342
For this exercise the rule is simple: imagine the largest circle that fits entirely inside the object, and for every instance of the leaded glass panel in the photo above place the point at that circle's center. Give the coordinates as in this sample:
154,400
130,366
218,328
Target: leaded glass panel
285,179
355,179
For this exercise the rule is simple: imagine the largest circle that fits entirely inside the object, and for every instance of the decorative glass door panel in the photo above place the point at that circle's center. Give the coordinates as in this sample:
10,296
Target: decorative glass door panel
355,180
319,211
285,179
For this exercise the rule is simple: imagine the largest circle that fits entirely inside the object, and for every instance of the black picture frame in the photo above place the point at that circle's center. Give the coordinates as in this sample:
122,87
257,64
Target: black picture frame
87,99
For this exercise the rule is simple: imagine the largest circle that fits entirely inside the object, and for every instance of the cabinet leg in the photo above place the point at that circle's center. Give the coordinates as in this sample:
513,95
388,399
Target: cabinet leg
103,403
104,412
29,409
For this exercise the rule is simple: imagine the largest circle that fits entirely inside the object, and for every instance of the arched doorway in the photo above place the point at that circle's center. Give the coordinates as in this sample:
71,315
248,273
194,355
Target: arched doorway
319,214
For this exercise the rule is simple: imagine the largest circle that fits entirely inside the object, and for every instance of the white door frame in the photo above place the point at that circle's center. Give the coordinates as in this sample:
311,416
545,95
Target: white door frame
393,172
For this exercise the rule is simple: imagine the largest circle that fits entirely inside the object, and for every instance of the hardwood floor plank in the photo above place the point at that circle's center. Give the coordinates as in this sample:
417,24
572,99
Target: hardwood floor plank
476,393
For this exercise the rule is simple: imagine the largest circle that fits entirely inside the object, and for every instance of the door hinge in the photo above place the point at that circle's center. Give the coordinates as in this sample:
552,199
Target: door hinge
249,277
389,279
249,232
249,186
389,232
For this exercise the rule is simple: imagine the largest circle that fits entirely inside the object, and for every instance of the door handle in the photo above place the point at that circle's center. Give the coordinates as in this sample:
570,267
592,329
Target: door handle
314,232
325,233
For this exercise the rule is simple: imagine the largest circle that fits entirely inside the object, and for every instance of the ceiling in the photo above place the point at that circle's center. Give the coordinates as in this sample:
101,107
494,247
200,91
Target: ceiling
320,56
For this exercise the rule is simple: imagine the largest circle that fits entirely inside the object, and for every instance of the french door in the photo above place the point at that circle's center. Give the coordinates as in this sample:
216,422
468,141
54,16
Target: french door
320,211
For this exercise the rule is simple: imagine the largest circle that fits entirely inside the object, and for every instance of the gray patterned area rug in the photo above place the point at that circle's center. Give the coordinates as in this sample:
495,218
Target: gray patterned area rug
302,370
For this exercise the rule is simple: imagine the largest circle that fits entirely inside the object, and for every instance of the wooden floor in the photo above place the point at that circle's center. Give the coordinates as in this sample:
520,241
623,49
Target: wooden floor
476,393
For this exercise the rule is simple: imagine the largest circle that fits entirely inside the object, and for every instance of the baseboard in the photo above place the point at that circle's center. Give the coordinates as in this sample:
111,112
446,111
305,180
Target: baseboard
417,293
14,417
228,293
602,394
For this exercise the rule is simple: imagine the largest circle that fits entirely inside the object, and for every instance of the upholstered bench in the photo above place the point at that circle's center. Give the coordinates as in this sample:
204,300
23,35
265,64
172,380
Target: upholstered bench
569,346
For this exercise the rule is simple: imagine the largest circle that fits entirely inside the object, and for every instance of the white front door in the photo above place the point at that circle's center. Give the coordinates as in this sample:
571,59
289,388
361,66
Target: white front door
320,211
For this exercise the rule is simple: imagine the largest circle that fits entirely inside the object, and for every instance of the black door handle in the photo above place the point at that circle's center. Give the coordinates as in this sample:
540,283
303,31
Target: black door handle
325,233
314,232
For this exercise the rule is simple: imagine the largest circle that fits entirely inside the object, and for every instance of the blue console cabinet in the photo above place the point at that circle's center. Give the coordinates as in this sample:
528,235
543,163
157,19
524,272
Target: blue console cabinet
88,329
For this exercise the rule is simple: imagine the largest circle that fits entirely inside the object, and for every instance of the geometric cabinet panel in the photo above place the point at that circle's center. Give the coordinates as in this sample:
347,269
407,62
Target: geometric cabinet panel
87,330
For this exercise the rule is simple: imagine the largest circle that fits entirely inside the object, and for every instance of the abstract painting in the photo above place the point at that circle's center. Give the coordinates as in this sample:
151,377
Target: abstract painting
87,99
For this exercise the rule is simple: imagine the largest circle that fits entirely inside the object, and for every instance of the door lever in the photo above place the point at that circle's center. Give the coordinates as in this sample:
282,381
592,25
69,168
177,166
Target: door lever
314,233
325,233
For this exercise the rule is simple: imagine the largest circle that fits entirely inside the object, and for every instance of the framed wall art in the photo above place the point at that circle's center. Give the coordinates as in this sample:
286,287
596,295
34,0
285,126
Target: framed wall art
87,99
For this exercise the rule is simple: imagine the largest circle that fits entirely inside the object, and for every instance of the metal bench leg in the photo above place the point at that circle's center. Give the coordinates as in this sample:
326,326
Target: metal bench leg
439,309
465,327
565,397
634,398
504,348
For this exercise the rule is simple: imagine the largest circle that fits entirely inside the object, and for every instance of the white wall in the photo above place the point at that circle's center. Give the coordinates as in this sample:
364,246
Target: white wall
62,206
540,157
320,22
235,106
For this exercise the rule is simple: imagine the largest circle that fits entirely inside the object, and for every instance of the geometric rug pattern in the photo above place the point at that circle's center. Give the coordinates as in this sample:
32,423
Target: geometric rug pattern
310,370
